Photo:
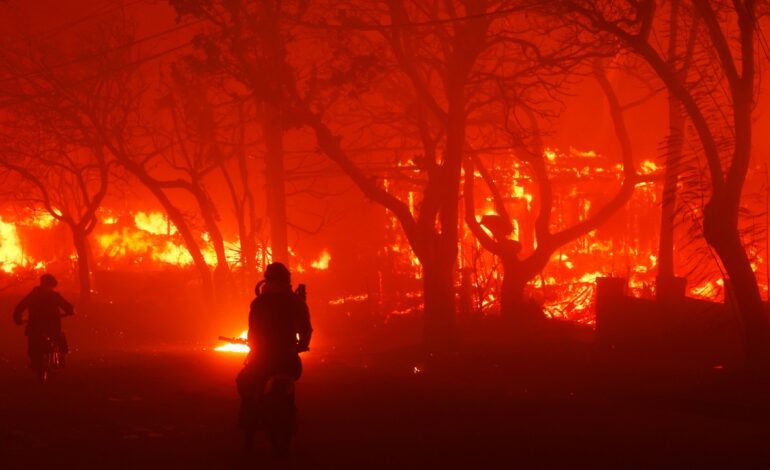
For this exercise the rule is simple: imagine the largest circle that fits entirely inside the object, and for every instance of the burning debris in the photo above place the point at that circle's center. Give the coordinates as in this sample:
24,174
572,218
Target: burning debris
237,345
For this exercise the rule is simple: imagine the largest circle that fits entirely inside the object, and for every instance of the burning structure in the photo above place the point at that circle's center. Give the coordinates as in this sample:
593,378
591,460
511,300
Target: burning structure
626,247
213,160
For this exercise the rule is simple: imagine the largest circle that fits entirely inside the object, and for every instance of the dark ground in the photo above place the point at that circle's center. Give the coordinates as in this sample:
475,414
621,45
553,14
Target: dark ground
547,406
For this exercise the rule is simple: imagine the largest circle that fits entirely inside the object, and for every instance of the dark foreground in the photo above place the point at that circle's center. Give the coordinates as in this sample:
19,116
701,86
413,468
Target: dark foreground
538,408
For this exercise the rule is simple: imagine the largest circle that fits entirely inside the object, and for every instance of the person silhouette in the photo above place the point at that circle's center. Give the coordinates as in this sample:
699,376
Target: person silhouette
279,329
45,307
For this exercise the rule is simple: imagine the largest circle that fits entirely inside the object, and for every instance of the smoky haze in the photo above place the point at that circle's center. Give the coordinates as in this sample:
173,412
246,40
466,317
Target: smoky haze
545,221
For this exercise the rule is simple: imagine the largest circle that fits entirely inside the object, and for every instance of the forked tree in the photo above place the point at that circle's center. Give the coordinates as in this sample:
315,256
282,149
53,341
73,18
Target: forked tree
719,99
519,270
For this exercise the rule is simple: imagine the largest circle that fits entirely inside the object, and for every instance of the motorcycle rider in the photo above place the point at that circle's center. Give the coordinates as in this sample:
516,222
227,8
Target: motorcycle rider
45,306
279,329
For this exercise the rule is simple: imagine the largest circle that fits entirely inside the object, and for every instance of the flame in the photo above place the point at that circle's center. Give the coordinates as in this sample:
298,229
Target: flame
139,244
582,179
155,223
11,254
648,166
349,298
584,154
40,220
154,239
322,263
235,348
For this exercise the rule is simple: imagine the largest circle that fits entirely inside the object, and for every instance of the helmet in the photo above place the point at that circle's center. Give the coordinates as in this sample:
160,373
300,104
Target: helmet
47,280
278,273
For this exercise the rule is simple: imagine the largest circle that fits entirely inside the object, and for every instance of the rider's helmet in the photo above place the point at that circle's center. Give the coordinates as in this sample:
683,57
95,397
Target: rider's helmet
277,273
47,280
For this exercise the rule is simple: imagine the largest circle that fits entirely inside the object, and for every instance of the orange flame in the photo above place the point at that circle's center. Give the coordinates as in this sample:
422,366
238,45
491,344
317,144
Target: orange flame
322,263
11,254
235,347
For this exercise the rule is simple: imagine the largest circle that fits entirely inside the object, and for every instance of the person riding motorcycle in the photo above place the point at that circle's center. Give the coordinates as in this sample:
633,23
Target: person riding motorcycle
279,329
45,306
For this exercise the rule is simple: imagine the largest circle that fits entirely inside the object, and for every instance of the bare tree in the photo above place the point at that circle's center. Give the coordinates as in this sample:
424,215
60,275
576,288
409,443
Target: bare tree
244,202
437,64
62,164
518,272
67,182
192,146
679,55
247,44
111,80
719,103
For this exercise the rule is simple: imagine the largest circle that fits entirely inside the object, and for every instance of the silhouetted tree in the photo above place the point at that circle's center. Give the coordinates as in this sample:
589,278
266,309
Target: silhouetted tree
436,63
108,96
192,145
62,164
66,181
518,271
679,55
247,44
719,103
244,202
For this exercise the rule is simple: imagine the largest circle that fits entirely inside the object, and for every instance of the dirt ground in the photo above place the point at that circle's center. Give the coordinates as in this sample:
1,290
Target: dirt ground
546,407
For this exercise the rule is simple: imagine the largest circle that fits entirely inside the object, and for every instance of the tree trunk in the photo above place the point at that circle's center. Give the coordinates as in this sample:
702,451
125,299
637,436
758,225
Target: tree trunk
741,285
248,251
80,240
177,219
275,176
666,272
439,301
720,228
513,304
247,221
222,269
189,240
511,292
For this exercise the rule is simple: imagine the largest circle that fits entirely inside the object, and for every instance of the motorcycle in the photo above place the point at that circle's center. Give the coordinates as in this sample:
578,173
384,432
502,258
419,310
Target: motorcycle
50,351
277,413
51,356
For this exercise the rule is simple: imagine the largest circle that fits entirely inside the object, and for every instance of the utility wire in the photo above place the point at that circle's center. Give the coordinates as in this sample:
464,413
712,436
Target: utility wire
100,53
70,24
105,72
436,22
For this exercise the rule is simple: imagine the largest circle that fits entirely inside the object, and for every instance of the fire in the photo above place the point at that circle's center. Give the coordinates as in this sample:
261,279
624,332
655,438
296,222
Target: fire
349,298
154,239
583,153
648,167
322,263
581,182
154,223
235,347
41,220
139,244
11,254
709,290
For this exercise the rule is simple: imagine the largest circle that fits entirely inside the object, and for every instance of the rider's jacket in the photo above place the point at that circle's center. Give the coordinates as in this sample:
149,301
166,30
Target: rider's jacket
279,325
44,307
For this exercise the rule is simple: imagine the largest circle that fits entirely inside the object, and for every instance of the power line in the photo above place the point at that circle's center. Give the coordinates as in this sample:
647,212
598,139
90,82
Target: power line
408,25
101,53
103,73
70,24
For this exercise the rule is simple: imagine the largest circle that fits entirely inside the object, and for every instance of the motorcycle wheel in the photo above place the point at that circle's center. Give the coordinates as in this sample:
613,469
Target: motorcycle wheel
281,424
